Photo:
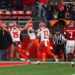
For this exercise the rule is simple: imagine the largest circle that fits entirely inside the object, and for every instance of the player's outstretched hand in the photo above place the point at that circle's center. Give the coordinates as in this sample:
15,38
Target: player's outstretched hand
25,52
0,21
30,21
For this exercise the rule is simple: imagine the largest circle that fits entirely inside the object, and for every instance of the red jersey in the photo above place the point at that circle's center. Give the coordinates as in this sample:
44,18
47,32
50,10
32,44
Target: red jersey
70,32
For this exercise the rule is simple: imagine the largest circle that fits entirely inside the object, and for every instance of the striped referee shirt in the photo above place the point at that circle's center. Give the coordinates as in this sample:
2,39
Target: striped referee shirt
59,39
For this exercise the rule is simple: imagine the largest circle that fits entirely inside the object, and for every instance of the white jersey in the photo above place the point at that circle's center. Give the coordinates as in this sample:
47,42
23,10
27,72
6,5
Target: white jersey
31,35
44,33
15,34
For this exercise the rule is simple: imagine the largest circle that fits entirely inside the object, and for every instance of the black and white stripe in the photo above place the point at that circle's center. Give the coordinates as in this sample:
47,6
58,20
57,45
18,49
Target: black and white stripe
58,39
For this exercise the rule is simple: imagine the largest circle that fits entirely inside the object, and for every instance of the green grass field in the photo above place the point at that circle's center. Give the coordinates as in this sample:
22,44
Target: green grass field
42,69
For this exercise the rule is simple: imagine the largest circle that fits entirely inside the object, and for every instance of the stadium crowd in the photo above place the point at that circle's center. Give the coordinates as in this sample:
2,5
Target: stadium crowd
50,11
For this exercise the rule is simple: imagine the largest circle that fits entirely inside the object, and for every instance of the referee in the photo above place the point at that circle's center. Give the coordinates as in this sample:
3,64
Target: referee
59,43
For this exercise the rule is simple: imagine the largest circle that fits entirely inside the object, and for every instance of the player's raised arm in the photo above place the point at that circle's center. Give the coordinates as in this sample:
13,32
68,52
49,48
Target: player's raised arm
27,25
3,26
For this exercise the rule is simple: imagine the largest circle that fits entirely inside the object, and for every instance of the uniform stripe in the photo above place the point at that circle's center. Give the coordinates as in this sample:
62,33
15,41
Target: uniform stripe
58,39
30,44
39,46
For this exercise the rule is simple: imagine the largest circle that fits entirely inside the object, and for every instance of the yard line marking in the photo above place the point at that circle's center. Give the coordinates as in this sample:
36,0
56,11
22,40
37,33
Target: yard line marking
25,63
73,74
32,62
58,62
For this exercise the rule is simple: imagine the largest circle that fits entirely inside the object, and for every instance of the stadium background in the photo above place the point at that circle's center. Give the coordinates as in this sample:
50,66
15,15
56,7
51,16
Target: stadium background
21,17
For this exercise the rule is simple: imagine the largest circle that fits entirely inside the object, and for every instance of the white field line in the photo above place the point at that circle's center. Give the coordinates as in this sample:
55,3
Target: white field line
33,62
57,62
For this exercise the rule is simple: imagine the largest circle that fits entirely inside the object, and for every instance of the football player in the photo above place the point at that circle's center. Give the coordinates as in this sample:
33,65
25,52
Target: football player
33,40
44,43
70,36
15,34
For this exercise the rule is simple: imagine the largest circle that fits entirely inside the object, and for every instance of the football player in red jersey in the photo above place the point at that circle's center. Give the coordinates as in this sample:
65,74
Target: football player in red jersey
15,34
70,36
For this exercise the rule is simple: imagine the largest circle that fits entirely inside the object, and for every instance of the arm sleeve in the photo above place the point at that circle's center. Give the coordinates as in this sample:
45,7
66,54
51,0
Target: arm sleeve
21,29
38,34
63,38
8,30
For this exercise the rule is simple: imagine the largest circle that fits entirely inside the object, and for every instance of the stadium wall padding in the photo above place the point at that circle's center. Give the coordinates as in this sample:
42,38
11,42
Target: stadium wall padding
33,51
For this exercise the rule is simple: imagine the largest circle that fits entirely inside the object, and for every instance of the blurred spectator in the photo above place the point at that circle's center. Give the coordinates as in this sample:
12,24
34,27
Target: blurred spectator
10,4
18,4
3,4
0,4
49,13
41,3
61,9
67,16
72,11
4,43
30,5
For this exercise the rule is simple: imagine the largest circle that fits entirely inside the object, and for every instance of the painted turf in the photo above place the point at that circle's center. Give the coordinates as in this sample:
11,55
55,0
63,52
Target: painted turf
22,63
11,63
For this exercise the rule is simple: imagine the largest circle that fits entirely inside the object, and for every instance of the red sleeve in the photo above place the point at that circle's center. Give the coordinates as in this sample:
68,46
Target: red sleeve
8,30
21,29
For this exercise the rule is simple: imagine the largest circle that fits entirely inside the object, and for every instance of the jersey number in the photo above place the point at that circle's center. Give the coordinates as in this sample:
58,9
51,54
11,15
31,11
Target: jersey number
15,34
45,33
71,34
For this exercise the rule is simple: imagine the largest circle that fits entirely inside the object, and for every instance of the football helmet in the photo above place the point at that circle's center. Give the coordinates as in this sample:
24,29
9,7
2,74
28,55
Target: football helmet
42,24
13,25
71,23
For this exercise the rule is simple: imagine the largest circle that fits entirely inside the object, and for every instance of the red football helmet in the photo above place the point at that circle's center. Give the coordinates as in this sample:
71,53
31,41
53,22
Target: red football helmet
71,23
42,24
11,24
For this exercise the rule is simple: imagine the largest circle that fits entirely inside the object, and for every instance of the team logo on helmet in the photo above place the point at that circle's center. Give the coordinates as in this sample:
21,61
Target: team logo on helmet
42,24
71,23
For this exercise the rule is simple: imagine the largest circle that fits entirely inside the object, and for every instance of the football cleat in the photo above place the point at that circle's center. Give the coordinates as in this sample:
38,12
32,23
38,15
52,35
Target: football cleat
56,59
72,64
28,62
27,53
38,62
